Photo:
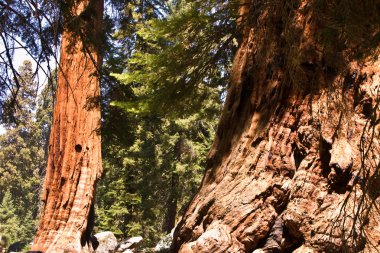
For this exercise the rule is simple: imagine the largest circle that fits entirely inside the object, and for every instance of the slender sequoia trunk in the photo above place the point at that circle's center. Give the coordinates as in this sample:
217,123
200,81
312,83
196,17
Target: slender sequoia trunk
172,201
74,161
171,204
295,164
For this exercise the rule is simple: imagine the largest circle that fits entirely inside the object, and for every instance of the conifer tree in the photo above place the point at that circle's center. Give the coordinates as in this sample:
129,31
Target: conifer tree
154,166
9,224
22,159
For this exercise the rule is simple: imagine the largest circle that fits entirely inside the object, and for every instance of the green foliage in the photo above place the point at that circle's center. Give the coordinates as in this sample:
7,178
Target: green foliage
22,159
186,53
8,219
161,122
133,195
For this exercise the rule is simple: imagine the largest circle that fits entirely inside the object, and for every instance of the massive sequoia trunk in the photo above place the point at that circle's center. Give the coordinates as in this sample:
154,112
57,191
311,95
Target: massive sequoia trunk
294,166
74,161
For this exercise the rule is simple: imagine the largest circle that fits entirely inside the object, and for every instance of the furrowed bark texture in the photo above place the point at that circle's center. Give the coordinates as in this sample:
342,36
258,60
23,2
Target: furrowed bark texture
294,166
74,162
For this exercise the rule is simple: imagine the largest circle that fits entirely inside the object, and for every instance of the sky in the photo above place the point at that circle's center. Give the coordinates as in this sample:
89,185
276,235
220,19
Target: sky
20,55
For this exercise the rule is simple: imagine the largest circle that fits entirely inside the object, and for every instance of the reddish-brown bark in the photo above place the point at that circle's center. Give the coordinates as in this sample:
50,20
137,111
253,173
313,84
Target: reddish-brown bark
296,157
74,161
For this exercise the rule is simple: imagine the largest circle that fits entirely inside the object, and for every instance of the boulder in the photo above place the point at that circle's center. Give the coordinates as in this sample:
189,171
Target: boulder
129,245
107,242
163,246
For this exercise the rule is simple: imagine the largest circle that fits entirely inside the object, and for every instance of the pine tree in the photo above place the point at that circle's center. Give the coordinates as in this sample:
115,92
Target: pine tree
185,55
138,181
9,224
23,157
153,166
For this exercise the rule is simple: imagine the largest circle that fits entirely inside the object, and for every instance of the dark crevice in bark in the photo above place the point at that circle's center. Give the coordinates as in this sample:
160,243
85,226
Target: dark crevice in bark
297,155
340,184
203,211
291,242
86,236
261,243
282,203
325,156
349,81
63,181
206,221
265,194
273,241
309,67
257,141
367,108
64,204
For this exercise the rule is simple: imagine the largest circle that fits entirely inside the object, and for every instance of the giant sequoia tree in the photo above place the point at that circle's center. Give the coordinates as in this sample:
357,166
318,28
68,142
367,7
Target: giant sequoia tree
295,164
74,161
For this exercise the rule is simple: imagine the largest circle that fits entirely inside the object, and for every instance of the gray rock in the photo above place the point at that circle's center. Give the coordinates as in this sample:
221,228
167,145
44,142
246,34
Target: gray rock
107,242
130,245
163,246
